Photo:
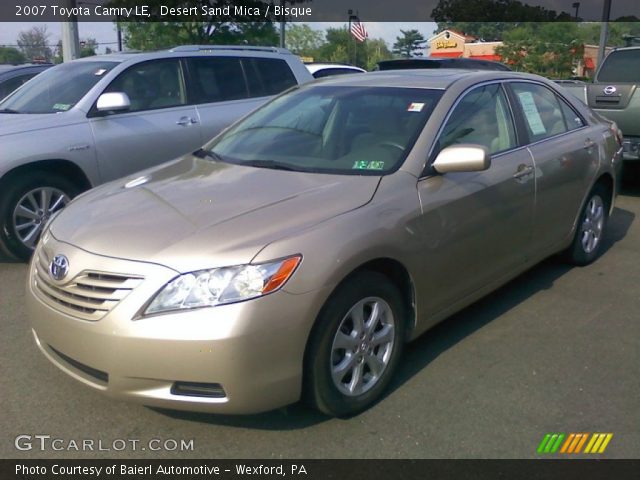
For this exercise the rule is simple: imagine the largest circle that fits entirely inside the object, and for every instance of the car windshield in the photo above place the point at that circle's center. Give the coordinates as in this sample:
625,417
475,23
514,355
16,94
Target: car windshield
57,89
621,66
327,129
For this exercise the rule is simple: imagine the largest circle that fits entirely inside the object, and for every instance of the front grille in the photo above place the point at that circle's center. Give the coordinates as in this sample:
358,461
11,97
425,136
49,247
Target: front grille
92,372
90,295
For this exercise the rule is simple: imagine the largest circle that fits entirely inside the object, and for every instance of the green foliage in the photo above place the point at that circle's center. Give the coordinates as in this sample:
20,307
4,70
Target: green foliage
340,47
493,11
199,30
409,44
618,30
11,55
485,31
303,40
550,49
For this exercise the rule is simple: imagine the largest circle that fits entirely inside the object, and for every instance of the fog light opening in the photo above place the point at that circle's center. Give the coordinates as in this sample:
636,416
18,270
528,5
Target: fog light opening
193,389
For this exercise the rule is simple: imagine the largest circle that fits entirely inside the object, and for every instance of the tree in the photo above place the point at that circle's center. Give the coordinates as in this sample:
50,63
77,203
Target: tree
340,47
409,44
550,49
485,31
303,40
618,30
88,47
11,55
164,32
493,11
33,43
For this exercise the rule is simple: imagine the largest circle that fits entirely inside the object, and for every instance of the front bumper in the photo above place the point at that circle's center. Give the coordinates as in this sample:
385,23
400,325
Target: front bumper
252,350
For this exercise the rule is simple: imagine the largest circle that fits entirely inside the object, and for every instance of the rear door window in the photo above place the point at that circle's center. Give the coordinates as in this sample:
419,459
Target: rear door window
542,111
217,79
268,76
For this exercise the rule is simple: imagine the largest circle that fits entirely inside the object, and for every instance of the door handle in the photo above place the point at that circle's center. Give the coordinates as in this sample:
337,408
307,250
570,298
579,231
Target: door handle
185,121
589,144
523,171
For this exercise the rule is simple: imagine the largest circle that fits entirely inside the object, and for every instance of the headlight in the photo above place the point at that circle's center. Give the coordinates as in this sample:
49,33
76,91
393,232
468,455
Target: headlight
207,288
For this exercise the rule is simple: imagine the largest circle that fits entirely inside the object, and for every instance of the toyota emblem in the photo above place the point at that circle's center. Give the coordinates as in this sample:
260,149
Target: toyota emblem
610,90
59,267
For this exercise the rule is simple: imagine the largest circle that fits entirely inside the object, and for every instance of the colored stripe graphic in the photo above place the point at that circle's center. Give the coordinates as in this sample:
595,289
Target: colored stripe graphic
550,443
598,442
574,442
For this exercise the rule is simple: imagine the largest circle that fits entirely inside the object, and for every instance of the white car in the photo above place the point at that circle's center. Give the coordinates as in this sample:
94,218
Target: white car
321,70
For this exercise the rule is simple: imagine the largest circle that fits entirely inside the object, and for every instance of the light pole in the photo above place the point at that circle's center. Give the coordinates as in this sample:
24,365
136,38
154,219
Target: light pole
604,30
576,5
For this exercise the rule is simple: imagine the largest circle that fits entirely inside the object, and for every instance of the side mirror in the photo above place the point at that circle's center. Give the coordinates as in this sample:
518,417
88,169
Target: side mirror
462,158
113,102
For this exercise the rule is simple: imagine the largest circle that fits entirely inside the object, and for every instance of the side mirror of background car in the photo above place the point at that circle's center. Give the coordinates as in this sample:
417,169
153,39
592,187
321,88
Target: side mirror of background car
113,101
462,158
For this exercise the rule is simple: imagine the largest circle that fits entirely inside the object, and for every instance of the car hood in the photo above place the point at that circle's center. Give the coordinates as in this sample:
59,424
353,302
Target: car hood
11,123
193,214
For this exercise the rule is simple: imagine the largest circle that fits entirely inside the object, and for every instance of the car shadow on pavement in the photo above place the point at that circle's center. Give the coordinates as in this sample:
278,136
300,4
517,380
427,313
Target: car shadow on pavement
445,335
429,346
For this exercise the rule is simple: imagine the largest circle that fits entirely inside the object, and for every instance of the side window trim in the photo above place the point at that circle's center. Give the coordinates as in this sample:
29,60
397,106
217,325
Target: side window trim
427,171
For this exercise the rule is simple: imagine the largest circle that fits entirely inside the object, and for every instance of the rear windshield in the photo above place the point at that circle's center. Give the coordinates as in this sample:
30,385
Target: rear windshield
621,66
324,129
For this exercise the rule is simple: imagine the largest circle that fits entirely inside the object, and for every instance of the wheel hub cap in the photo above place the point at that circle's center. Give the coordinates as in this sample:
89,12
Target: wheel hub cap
592,225
362,346
34,210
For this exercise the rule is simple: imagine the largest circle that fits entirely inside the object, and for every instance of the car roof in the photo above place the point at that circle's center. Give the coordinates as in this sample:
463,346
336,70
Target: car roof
188,50
440,78
8,68
438,62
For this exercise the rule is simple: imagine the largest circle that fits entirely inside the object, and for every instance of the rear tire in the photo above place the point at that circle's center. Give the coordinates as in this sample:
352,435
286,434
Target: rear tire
355,346
26,204
592,223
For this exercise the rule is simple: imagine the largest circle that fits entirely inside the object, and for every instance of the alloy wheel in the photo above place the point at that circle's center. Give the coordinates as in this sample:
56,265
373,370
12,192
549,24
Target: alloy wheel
362,346
33,211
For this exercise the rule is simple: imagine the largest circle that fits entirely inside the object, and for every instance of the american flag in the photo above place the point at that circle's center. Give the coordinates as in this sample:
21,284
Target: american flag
358,30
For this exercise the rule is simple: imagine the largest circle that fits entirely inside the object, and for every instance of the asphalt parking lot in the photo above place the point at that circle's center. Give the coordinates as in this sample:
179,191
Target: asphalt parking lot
556,350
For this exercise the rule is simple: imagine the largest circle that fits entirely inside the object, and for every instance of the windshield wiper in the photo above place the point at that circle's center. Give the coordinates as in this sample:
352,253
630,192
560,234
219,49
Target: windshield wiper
9,110
270,164
202,153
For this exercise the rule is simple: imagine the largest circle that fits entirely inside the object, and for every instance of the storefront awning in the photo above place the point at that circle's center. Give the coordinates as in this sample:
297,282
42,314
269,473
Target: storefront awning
495,58
446,54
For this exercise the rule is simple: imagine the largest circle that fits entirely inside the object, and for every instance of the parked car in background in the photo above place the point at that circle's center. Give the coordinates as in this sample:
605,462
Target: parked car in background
321,70
13,76
433,62
296,253
92,120
615,94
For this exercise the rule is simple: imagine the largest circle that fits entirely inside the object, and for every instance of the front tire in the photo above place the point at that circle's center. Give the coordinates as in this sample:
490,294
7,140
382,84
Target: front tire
355,346
587,242
27,203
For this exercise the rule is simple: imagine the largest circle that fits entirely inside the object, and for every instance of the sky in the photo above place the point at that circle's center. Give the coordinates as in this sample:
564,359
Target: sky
105,33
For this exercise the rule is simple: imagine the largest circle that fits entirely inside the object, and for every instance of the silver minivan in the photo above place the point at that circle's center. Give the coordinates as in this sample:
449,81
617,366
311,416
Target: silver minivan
96,119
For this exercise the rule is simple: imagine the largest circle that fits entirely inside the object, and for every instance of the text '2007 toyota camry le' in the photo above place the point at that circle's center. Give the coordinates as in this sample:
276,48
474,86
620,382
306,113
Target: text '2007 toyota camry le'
295,254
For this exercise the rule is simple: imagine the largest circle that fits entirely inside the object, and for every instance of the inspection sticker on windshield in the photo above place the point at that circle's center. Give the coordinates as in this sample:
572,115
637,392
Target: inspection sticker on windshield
61,106
368,165
531,112
415,107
